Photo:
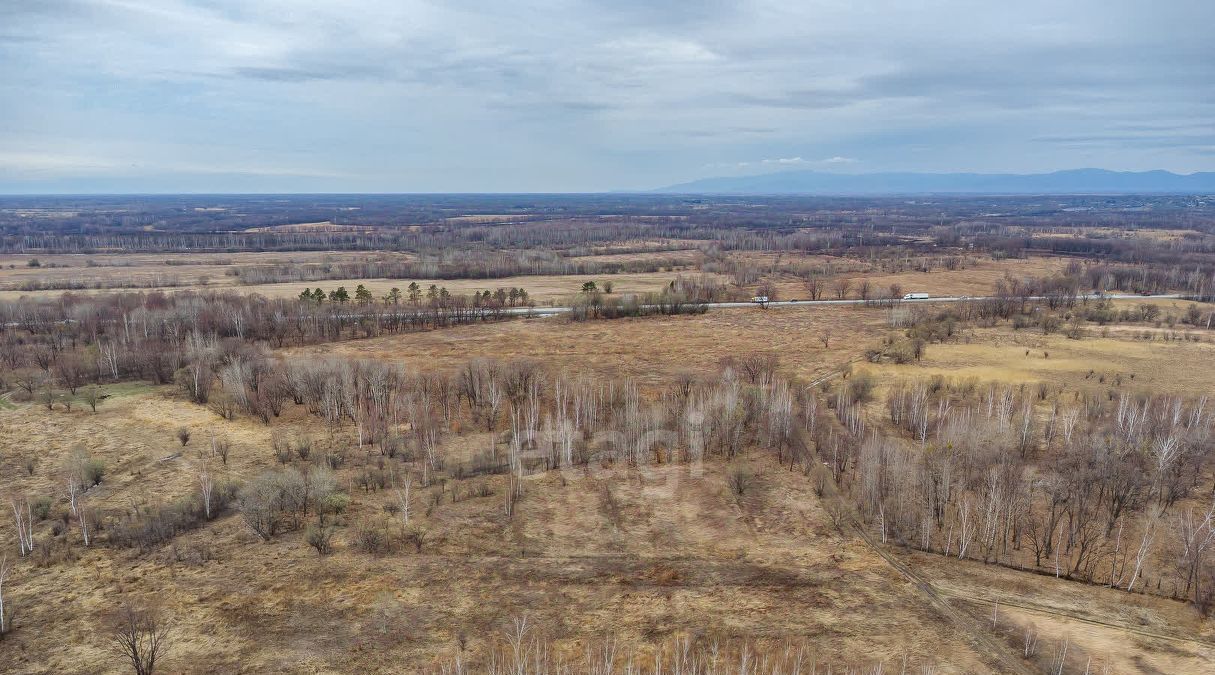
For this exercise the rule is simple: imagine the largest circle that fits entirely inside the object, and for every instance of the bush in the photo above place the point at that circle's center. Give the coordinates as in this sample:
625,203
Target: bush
902,354
335,460
92,471
41,508
373,540
416,537
303,447
334,503
740,480
282,449
273,502
151,526
320,537
280,500
860,388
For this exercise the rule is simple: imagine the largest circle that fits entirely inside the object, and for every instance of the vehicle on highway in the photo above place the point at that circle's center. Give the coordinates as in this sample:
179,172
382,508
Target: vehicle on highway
916,296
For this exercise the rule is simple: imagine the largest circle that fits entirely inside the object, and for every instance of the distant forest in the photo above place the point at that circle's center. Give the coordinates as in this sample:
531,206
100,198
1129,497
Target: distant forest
432,223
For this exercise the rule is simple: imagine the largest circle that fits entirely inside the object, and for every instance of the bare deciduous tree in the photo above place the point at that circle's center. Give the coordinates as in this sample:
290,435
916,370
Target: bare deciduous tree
24,520
220,447
6,611
141,636
403,500
93,395
206,488
864,289
841,288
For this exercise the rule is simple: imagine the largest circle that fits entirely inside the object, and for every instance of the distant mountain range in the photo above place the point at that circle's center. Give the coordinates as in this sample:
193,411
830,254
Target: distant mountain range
1076,181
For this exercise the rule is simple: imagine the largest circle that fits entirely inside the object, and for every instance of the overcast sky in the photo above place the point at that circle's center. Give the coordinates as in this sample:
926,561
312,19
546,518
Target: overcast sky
586,95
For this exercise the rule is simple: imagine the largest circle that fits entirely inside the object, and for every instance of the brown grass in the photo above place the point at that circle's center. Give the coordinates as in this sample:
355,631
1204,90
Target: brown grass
556,289
999,355
977,280
650,349
1128,632
140,269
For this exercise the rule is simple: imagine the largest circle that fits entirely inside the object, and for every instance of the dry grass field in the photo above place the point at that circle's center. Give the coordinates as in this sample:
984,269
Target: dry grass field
977,280
207,271
171,272
650,350
1122,632
147,270
544,290
638,556
1094,363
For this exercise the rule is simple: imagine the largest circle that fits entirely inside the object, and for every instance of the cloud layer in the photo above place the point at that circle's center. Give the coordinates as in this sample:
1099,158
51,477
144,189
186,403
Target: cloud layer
539,95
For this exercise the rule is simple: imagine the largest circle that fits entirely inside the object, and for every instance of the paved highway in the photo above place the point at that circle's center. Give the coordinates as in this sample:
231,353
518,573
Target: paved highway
543,311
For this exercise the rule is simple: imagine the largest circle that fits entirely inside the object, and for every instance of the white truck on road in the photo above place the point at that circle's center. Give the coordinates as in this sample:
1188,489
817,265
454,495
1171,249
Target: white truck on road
916,296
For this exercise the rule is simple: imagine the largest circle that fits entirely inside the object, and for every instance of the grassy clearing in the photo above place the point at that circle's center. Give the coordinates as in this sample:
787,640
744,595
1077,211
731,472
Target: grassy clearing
977,280
1093,363
544,290
144,269
651,349
549,290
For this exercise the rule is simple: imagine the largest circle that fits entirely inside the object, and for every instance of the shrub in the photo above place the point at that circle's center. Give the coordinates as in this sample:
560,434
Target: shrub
334,503
92,471
373,540
220,447
273,501
280,500
740,480
145,527
860,388
41,508
334,460
416,537
902,354
282,449
320,537
303,447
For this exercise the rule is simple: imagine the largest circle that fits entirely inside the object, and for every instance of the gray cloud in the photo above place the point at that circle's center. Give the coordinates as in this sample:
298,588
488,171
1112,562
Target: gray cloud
592,94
